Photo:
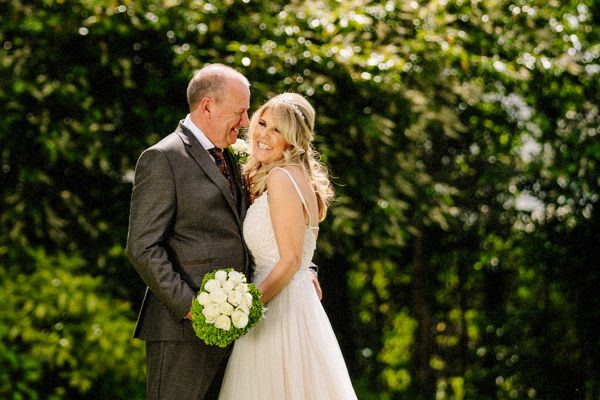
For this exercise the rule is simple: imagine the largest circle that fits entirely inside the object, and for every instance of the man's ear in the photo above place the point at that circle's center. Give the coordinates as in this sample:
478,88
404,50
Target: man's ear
206,106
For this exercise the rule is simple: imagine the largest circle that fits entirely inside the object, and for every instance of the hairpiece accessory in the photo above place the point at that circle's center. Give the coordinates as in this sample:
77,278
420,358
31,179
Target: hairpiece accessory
286,100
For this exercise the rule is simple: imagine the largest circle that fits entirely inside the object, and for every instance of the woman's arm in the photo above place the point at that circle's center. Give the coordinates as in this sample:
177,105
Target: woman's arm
287,217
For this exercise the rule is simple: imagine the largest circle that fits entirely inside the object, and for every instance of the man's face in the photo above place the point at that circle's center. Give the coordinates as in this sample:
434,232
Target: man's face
229,114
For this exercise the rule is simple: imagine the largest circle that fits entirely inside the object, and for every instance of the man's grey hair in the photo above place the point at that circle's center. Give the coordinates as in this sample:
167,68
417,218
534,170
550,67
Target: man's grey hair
211,81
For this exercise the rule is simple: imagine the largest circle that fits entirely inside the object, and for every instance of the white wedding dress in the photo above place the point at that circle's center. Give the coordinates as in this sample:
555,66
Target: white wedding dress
293,353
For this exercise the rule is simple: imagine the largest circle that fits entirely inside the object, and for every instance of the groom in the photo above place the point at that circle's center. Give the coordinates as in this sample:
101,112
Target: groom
186,220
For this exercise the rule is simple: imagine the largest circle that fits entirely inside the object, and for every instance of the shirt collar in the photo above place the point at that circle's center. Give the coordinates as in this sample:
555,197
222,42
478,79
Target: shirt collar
198,134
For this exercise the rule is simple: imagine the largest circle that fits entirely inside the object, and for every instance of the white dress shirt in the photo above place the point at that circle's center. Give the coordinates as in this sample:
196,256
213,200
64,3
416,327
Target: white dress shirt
204,141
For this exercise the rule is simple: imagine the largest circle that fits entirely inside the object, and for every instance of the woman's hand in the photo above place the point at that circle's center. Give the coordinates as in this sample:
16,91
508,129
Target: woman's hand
315,281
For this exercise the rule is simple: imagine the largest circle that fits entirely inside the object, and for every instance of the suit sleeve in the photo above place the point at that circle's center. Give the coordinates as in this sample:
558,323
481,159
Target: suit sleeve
153,210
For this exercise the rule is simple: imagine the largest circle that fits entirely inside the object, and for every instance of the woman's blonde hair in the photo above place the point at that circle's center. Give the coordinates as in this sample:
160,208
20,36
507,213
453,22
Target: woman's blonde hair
295,121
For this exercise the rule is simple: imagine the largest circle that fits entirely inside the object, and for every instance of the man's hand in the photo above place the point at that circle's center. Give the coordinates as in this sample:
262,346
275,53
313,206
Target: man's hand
315,282
189,315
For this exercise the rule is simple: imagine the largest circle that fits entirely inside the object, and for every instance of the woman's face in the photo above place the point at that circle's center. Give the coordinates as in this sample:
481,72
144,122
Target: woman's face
268,144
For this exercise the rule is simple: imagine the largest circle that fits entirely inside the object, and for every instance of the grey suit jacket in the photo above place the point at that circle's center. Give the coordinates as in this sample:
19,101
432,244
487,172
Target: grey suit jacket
184,222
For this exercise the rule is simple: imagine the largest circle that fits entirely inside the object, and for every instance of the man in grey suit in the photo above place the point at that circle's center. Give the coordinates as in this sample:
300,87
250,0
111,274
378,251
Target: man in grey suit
186,220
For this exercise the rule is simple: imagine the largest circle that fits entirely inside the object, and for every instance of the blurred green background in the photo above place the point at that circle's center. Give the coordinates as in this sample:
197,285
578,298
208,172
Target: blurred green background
461,259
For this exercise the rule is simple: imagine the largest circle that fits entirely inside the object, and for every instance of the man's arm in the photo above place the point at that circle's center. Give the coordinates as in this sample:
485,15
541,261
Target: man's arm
151,215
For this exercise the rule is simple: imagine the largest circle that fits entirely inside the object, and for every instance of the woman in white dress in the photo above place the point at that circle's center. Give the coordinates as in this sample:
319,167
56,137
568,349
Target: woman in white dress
293,353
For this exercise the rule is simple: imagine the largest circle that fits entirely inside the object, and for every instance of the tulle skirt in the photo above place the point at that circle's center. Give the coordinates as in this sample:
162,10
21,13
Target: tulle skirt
292,354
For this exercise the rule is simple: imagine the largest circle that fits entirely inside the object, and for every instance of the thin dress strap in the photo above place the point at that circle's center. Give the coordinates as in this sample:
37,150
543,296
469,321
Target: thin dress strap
299,194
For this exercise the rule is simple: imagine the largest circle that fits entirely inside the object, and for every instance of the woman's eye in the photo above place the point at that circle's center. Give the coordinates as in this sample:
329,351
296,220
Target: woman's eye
262,123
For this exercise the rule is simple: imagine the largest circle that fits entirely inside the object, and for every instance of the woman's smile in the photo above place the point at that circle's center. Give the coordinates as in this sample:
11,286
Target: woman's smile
264,146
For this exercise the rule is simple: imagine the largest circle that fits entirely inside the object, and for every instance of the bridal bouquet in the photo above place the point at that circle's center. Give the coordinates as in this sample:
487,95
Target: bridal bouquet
226,307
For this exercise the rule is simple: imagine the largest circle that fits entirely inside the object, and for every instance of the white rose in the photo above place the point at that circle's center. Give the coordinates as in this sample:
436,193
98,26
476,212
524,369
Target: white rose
218,296
203,298
236,277
221,276
242,288
223,322
240,146
211,311
228,286
226,308
212,285
243,308
247,299
239,319
235,297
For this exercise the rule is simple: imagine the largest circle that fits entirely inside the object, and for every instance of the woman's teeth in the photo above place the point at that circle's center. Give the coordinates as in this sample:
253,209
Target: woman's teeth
263,146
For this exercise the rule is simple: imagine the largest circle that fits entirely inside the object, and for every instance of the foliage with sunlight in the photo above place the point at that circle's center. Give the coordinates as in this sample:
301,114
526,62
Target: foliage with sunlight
464,141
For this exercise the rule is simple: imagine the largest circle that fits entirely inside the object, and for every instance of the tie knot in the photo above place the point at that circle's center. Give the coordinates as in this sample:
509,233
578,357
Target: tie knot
218,155
215,151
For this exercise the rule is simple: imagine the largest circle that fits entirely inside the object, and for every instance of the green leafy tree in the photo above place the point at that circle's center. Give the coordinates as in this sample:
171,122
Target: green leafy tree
63,336
462,136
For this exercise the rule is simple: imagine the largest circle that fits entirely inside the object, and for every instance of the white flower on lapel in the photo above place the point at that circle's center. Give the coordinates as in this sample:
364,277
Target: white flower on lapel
239,151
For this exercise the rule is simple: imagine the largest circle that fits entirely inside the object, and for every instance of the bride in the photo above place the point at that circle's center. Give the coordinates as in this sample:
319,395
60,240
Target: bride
292,353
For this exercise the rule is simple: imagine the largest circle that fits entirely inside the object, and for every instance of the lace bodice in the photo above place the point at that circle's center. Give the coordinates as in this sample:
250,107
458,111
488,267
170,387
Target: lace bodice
260,238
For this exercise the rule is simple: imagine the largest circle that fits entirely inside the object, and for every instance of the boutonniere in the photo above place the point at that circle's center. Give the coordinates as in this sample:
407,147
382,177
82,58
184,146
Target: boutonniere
239,151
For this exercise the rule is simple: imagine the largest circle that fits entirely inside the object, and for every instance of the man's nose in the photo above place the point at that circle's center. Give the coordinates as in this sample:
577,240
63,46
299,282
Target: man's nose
245,121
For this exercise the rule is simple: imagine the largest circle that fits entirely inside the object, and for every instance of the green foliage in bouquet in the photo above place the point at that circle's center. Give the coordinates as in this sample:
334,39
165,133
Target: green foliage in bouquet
207,328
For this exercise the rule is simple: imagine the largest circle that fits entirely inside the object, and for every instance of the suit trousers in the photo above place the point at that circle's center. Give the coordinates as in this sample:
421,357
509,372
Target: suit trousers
178,370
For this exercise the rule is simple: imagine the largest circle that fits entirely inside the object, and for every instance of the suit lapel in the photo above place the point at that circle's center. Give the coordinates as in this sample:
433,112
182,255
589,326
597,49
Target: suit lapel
206,163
